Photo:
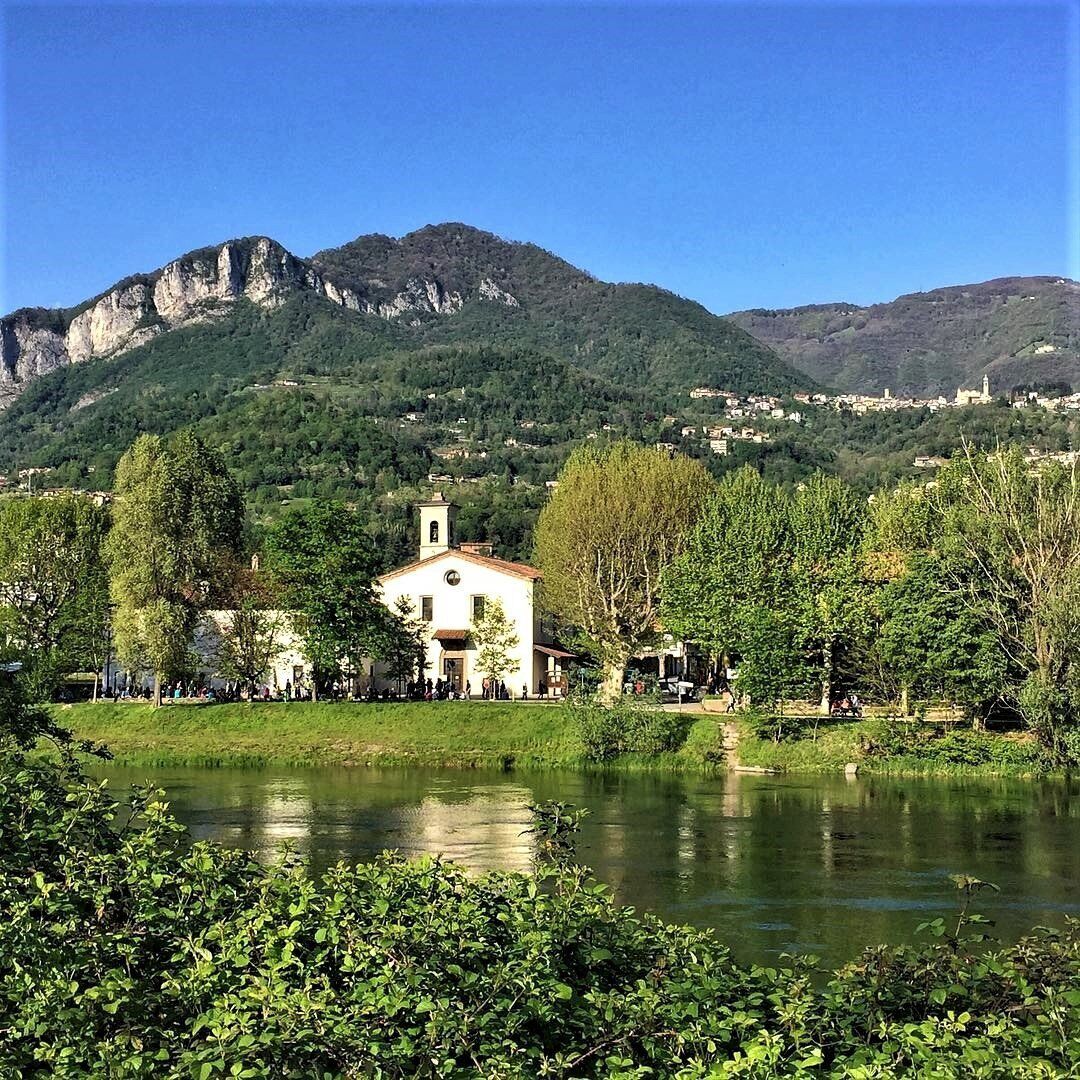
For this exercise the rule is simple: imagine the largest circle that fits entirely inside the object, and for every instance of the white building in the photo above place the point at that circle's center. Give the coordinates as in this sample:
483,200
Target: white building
975,397
449,585
288,666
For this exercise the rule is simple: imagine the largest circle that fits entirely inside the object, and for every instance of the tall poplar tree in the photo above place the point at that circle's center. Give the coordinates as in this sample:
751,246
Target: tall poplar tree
619,516
1016,531
177,523
53,589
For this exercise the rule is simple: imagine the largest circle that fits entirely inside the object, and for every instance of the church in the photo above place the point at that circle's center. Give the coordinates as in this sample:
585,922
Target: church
448,586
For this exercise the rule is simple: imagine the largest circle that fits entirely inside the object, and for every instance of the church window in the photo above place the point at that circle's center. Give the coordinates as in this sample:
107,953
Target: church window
425,608
433,532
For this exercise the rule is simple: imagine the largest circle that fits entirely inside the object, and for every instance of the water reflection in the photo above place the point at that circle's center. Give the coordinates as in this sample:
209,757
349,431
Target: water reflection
773,863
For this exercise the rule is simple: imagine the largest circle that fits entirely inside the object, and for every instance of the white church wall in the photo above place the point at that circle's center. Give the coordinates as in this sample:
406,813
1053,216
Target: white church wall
452,609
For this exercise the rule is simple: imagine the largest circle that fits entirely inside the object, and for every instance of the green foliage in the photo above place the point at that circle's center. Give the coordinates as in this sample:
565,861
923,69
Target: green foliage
628,725
921,742
1016,531
495,639
326,564
129,945
601,552
554,826
53,582
733,563
250,641
775,583
405,651
931,640
177,525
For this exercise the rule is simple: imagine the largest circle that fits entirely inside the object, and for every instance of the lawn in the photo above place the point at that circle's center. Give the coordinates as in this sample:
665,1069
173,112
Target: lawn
311,733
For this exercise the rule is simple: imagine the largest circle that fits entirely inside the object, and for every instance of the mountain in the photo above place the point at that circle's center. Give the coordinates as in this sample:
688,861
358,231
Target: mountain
442,284
1018,330
370,373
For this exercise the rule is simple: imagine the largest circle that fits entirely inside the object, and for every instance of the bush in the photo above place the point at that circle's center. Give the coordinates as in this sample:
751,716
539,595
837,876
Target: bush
630,726
964,748
133,953
772,727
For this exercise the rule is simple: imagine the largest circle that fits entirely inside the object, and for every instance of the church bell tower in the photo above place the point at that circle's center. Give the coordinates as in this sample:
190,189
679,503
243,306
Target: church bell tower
436,526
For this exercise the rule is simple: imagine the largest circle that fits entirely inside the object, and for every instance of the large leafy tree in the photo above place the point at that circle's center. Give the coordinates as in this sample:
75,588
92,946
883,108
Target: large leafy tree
931,641
830,590
1015,530
326,564
733,565
53,592
618,518
49,547
177,524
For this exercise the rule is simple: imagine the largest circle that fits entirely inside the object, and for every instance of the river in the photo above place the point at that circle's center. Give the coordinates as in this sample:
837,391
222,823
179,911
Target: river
774,864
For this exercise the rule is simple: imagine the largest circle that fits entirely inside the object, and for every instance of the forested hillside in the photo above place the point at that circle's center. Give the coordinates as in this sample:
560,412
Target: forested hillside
1019,331
382,369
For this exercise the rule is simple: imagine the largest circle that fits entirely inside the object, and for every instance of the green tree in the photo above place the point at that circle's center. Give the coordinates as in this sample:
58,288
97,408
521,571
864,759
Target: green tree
1016,532
177,521
251,629
50,548
618,518
734,564
495,639
326,564
405,655
773,665
830,591
931,641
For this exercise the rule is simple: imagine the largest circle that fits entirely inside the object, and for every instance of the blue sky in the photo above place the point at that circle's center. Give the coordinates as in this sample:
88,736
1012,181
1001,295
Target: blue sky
741,155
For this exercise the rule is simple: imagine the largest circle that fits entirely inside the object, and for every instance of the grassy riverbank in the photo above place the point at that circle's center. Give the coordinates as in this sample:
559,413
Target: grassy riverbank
444,733
520,735
889,747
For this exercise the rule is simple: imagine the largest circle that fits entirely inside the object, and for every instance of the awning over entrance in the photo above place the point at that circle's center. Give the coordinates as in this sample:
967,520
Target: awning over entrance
451,637
554,650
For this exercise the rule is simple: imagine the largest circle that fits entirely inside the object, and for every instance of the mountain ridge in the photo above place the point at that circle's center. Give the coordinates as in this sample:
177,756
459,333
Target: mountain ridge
430,273
1015,329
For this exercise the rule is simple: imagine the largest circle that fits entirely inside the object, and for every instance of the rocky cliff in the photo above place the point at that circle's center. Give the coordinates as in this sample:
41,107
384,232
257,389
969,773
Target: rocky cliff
198,287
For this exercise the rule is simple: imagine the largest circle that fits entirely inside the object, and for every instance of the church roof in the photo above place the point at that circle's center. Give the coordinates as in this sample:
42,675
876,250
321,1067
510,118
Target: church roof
516,569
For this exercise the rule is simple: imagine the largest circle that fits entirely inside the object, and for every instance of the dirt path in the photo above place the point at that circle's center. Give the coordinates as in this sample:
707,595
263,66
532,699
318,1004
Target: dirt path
730,742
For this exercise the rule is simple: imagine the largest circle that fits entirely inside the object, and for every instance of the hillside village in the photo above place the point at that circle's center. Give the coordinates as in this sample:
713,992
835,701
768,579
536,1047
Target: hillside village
714,423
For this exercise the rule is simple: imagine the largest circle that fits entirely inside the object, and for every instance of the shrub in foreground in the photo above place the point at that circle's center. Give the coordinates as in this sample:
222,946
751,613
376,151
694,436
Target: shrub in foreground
128,951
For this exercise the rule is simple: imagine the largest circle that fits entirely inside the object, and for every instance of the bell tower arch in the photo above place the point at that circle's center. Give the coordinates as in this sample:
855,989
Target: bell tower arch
437,519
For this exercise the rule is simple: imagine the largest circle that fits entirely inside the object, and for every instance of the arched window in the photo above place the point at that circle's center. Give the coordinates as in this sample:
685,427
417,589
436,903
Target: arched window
433,532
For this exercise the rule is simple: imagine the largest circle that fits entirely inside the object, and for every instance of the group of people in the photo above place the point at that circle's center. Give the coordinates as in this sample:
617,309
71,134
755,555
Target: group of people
202,690
438,690
849,705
